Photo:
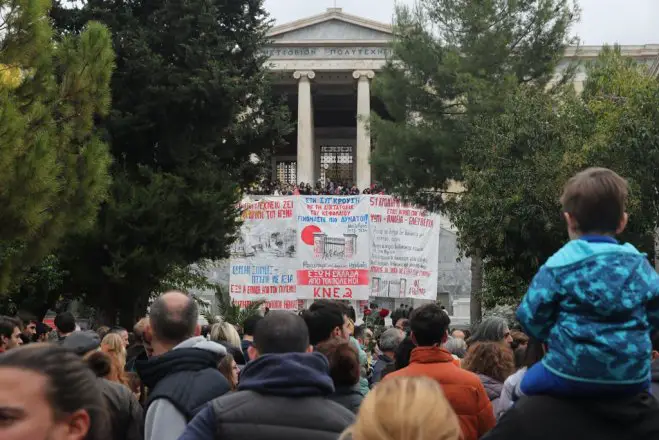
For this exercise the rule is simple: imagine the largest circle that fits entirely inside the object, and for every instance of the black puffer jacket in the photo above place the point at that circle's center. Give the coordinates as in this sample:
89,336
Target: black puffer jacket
551,418
280,397
348,397
186,376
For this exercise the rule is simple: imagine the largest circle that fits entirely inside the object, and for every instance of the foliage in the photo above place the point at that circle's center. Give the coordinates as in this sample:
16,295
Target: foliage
505,311
192,105
513,178
516,163
502,286
453,62
624,101
38,290
231,312
185,279
53,162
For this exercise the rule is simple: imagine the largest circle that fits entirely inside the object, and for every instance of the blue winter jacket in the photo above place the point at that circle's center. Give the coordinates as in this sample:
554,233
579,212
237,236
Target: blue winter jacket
595,303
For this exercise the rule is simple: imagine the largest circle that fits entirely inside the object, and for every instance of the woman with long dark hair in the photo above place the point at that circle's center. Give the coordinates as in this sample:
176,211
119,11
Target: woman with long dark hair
49,393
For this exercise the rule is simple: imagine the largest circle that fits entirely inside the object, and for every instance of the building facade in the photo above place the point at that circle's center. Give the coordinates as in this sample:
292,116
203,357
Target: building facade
324,65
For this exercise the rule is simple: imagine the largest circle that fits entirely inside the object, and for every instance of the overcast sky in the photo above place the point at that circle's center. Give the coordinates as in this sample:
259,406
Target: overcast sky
602,21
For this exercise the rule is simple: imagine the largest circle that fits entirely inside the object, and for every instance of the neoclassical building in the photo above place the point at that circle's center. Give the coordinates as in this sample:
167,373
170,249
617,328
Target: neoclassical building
324,64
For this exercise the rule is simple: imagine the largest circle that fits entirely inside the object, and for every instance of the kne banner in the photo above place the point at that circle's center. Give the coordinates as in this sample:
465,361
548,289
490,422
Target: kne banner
333,247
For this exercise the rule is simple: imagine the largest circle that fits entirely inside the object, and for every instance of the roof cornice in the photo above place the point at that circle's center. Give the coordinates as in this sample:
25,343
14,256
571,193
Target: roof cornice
330,14
645,50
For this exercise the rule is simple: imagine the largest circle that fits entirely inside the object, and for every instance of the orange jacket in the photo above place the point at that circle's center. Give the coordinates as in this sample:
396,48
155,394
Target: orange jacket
462,388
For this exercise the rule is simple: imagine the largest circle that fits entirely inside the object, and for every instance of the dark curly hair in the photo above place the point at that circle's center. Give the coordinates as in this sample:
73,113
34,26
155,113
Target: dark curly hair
343,359
492,359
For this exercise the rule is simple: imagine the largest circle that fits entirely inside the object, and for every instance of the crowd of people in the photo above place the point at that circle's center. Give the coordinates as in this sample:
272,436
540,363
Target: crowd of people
329,188
583,364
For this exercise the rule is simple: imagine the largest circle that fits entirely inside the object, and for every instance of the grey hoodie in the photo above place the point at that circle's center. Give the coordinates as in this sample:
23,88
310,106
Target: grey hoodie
163,421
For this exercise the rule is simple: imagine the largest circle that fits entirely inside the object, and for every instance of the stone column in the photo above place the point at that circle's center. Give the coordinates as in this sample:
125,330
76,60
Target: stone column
305,128
363,78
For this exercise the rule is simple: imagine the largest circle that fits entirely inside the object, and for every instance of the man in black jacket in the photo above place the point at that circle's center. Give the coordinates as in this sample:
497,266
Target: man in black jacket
182,375
282,392
550,418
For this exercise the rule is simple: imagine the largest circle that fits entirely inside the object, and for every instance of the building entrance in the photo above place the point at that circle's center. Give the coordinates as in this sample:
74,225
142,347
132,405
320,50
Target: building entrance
337,164
287,172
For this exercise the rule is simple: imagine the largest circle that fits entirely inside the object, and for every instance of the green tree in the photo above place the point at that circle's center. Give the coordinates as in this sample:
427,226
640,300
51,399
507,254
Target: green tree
37,291
516,163
624,100
193,104
53,162
454,60
513,168
231,312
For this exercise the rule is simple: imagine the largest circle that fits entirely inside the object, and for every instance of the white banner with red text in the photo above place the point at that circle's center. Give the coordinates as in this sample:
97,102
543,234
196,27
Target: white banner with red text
263,257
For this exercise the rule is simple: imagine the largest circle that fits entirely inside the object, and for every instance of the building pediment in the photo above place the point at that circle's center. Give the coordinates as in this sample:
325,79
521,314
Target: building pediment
331,26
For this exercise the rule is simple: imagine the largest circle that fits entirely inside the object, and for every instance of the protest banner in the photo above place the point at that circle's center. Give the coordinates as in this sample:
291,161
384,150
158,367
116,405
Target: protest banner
337,247
404,247
332,245
263,257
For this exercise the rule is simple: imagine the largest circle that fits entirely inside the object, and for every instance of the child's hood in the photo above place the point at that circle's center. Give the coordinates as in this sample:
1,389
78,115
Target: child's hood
577,251
608,277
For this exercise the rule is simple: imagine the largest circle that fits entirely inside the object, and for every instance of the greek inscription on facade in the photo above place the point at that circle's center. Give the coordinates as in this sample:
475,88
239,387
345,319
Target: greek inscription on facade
328,52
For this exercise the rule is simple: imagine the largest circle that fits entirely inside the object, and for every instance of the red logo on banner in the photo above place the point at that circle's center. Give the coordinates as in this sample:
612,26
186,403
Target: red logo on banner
307,234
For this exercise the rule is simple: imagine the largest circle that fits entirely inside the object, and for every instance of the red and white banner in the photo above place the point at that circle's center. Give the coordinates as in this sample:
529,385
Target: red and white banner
333,247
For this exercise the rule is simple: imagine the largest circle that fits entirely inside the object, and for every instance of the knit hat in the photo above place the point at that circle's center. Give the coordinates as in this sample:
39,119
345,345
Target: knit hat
82,342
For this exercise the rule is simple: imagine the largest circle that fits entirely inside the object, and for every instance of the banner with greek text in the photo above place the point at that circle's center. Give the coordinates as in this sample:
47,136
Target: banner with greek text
404,250
333,247
264,256
339,247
